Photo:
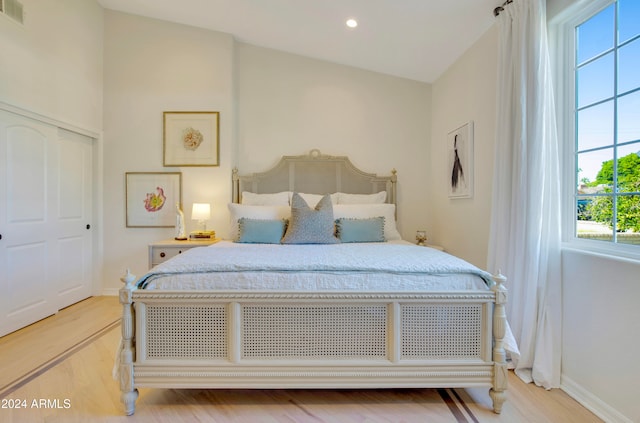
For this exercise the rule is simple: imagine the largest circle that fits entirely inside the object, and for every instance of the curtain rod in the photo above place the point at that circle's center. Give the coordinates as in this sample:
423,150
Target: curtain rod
500,8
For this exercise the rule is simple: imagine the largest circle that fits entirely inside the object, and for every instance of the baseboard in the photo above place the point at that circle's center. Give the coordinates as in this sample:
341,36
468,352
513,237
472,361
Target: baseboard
110,292
591,402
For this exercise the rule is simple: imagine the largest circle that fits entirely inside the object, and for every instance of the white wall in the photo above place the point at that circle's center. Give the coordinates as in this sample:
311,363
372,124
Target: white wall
150,67
600,342
52,65
465,92
288,105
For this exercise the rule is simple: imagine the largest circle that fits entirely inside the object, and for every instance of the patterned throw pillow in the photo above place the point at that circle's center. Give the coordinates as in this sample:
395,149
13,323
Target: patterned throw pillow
310,226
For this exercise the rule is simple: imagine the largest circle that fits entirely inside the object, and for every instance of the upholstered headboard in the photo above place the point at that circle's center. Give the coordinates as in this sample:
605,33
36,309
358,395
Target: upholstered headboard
314,173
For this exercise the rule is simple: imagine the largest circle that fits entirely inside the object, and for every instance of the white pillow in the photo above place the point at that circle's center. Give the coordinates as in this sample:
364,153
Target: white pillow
363,211
277,199
255,212
377,198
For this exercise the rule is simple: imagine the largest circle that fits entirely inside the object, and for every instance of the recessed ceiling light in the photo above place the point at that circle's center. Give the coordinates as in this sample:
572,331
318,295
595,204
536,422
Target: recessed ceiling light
352,23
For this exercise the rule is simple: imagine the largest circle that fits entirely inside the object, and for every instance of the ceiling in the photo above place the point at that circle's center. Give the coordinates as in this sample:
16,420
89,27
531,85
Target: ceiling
414,39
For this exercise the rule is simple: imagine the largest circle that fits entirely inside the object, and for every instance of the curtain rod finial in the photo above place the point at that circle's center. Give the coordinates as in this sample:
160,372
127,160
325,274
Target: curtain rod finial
500,8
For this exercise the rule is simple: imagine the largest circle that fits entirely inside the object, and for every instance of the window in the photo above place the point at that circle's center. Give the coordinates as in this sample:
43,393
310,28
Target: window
599,79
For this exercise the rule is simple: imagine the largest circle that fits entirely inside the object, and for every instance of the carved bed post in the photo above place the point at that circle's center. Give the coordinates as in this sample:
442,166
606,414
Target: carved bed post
498,392
235,186
392,190
129,394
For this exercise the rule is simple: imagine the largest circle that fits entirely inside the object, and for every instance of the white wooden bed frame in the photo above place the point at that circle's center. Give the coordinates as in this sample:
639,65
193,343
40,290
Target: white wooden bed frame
250,339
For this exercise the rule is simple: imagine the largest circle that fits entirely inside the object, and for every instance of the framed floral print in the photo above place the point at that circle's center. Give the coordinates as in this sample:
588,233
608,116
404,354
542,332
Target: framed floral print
151,199
191,138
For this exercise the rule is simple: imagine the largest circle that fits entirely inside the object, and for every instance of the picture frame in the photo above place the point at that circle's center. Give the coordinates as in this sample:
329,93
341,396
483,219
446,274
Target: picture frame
191,138
460,161
151,199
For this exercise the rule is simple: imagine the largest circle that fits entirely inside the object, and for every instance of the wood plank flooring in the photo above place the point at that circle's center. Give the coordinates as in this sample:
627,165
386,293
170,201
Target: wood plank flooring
26,350
64,363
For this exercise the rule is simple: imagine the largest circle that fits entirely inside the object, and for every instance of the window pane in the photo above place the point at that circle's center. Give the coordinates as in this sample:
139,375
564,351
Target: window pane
629,118
595,35
629,219
594,162
589,211
629,168
595,126
595,81
629,66
628,18
607,124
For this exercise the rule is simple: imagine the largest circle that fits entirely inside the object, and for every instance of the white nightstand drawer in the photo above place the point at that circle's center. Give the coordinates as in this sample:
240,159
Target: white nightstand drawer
165,253
162,251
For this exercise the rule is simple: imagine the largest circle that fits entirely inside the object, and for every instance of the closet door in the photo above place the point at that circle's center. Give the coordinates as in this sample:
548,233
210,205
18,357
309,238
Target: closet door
45,207
27,252
73,217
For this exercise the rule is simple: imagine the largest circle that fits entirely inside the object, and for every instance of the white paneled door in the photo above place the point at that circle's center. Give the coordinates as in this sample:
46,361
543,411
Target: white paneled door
45,218
73,218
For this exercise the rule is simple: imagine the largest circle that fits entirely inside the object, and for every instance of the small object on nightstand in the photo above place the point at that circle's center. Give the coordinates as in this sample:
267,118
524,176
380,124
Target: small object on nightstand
421,237
202,235
180,233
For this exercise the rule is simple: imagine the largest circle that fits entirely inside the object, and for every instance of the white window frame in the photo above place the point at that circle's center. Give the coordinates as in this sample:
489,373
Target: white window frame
562,45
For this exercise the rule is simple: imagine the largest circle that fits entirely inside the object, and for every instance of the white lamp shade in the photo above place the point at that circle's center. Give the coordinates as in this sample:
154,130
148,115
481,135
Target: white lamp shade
201,211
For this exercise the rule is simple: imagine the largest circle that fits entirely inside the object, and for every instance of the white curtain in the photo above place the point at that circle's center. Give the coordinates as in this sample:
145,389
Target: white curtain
525,223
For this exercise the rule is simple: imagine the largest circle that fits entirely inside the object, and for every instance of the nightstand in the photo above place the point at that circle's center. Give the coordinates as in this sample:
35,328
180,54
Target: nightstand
163,250
437,247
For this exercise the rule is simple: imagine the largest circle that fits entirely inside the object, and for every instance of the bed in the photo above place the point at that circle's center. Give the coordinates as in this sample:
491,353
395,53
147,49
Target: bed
362,310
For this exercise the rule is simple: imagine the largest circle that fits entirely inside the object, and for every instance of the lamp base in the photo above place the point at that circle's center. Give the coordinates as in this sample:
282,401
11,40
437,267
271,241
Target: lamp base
202,234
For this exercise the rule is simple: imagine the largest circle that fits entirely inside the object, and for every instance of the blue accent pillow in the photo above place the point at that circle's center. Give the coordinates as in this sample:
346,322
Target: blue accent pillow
258,231
310,226
360,230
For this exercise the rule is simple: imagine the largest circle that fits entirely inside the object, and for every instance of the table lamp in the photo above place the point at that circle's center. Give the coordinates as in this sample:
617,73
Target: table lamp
201,212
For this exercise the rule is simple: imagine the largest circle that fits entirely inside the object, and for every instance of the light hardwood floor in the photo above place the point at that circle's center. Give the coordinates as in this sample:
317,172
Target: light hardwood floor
67,359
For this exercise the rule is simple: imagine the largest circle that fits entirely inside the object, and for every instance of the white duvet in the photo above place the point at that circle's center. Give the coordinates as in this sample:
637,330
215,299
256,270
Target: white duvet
389,266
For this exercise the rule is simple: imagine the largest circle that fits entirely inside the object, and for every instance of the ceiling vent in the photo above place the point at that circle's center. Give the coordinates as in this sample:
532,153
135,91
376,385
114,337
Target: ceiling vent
12,9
